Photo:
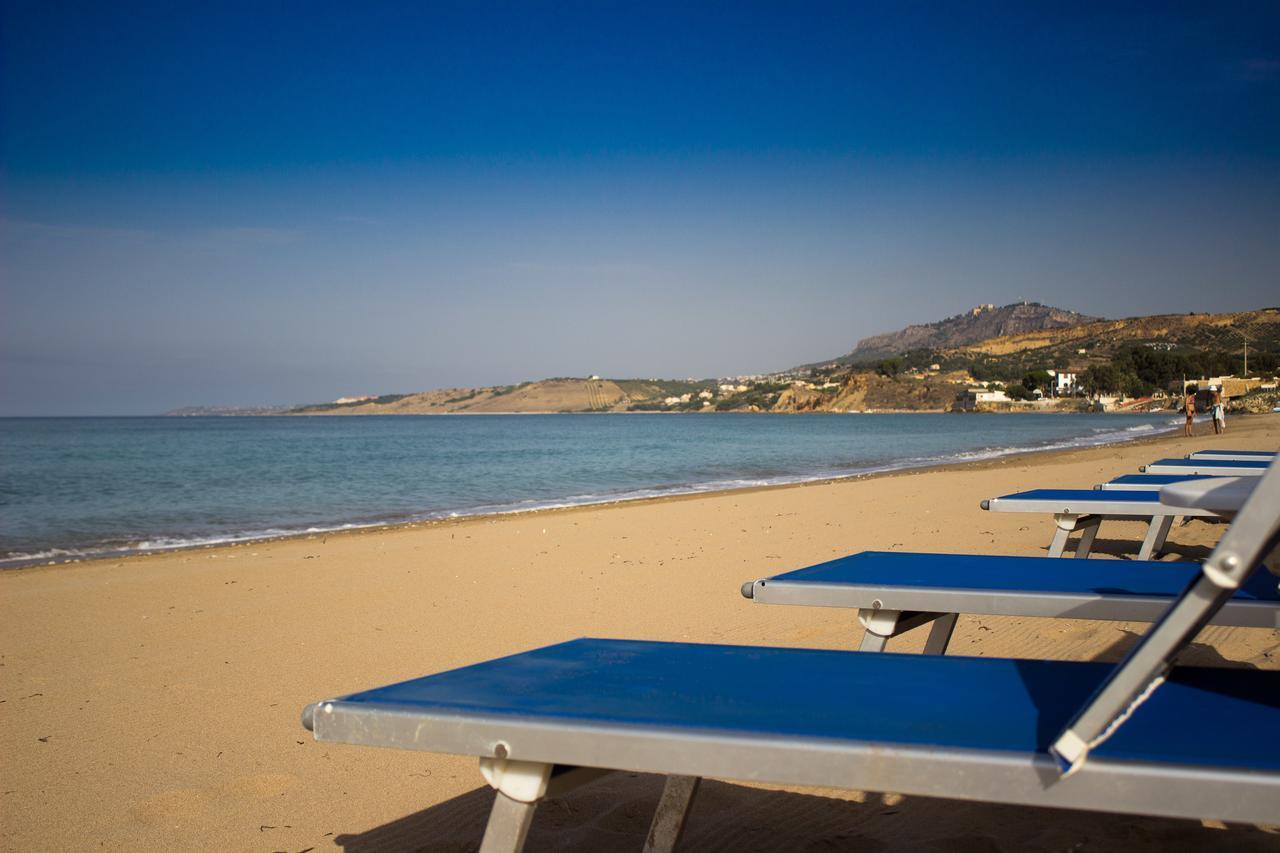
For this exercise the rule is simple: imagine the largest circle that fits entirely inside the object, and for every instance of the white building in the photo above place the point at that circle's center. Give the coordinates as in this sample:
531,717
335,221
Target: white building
975,396
1064,384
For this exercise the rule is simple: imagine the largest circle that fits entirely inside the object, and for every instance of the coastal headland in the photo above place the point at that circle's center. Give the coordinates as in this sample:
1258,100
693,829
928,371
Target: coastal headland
152,702
1019,357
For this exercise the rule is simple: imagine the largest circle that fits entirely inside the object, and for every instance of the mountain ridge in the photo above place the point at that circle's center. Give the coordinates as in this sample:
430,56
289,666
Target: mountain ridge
980,323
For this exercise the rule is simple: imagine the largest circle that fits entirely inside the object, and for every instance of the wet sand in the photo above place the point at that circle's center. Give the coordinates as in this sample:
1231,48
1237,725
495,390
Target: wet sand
152,702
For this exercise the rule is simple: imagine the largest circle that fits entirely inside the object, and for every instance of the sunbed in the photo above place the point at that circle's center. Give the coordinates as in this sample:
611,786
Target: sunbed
1210,467
1145,482
1140,737
1237,455
895,592
1084,510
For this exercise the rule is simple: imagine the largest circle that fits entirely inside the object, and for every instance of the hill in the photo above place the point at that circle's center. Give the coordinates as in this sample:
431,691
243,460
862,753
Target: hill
562,394
977,324
1104,337
1136,356
1133,356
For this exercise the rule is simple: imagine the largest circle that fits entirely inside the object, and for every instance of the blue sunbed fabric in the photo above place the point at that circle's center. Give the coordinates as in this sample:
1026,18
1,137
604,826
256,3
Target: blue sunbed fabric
1031,575
1261,454
1242,464
1156,479
1084,496
1015,706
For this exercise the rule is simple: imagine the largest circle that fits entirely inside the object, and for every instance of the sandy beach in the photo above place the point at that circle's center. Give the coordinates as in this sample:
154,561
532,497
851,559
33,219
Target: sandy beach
152,703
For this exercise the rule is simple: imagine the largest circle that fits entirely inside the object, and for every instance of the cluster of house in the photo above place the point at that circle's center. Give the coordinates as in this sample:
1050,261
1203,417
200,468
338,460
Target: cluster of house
934,370
704,395
814,386
1065,384
738,385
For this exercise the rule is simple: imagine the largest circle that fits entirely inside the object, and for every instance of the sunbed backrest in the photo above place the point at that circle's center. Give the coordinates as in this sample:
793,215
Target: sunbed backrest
1249,540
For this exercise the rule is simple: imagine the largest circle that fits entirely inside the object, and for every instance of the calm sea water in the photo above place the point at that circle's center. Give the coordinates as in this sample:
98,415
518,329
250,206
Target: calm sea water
83,486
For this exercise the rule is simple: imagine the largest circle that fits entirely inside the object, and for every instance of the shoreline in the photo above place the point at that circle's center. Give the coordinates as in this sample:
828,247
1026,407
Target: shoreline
687,491
1015,411
1018,410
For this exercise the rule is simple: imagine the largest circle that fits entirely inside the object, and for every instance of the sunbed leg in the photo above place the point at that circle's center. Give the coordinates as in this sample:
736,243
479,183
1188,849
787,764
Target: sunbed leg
508,826
1089,532
872,642
1157,530
1169,522
520,786
673,811
880,626
940,634
1065,524
877,627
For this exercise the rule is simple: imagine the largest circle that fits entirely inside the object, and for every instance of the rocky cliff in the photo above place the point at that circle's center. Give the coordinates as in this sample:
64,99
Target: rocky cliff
977,324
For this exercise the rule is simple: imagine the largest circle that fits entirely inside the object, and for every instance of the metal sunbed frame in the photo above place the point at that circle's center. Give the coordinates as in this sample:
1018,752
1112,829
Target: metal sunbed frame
1209,467
1235,455
799,717
1084,510
896,592
1146,482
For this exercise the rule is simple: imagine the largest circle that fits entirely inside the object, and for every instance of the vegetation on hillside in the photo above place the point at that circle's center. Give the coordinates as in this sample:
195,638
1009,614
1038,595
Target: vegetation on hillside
641,390
762,396
327,407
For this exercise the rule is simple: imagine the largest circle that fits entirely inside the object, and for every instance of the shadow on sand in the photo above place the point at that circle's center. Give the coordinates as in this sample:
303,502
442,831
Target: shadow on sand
1127,549
613,813
1195,654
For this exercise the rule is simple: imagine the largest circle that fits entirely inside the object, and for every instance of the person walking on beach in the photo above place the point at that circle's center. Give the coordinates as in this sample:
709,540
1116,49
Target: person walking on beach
1189,406
1219,413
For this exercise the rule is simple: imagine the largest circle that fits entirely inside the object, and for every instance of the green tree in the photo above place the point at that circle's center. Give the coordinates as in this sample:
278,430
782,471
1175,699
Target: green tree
890,367
1037,379
1101,379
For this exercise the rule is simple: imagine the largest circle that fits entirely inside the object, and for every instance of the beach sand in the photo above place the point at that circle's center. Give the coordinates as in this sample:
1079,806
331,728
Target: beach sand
152,703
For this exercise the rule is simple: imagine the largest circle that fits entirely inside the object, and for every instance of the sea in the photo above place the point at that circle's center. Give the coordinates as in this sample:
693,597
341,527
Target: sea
74,488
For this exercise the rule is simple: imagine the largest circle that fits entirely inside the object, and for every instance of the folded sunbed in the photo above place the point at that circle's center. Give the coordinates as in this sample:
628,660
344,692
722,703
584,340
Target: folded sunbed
895,592
1140,737
1146,482
1084,510
1238,455
1210,467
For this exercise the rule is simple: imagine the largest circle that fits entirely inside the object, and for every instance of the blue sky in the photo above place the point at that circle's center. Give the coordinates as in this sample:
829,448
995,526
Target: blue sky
239,206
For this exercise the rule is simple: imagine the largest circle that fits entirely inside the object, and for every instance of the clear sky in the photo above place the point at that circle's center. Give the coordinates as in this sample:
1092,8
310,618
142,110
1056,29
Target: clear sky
272,203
